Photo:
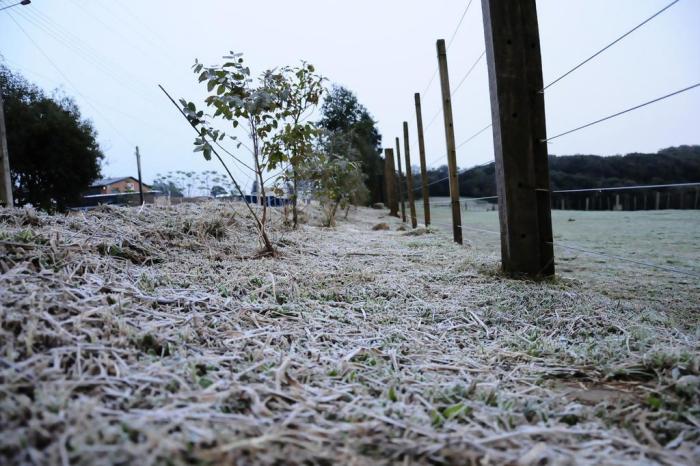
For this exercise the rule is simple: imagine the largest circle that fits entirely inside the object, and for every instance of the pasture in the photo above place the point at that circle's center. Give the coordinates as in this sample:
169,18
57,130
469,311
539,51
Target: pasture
666,238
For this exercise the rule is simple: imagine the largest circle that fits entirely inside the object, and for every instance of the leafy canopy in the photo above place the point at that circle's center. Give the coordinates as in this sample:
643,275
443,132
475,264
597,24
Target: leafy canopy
54,154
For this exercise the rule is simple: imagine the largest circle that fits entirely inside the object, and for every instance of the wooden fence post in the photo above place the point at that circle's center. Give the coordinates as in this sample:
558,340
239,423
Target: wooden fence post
409,176
401,196
390,182
450,141
657,201
423,165
519,133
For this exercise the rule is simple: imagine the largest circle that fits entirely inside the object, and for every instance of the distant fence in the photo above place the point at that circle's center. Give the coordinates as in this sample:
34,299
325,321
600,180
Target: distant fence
655,197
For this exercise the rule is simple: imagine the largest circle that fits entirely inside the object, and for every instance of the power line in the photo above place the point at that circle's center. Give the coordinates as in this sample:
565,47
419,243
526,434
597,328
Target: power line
622,112
82,50
609,45
75,88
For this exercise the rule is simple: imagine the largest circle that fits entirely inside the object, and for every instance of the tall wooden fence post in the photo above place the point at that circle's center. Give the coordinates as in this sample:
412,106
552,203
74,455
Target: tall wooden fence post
450,141
519,131
409,177
390,182
423,165
401,196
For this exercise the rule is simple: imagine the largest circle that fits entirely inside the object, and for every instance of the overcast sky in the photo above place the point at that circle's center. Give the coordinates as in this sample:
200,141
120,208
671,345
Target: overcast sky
110,56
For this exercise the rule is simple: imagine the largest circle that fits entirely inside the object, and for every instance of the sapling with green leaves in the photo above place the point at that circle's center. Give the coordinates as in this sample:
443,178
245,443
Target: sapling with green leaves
298,91
336,183
238,100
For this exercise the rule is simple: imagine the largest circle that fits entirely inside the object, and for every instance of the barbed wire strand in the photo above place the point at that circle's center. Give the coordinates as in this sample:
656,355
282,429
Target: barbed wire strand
622,112
609,45
452,38
625,259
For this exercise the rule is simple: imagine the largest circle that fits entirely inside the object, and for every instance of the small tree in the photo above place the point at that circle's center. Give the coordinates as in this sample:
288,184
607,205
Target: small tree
298,91
336,182
235,99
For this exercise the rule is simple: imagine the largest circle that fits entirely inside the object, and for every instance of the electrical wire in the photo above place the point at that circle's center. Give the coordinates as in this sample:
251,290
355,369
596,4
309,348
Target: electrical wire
75,88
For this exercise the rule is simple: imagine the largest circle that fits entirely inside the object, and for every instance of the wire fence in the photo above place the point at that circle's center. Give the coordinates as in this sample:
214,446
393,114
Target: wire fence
584,198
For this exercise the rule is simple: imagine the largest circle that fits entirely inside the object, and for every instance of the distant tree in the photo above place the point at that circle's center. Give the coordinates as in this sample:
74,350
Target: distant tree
54,154
217,190
165,185
671,165
353,132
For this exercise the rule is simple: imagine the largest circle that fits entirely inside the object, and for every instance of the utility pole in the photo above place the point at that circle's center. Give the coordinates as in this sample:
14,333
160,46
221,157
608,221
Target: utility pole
519,134
401,196
423,166
138,166
409,176
450,141
5,178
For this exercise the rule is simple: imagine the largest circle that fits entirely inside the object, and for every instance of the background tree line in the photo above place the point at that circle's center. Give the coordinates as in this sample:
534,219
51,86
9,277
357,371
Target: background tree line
671,165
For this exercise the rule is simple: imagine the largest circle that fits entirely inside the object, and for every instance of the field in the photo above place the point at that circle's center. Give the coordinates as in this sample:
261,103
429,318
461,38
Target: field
158,336
667,238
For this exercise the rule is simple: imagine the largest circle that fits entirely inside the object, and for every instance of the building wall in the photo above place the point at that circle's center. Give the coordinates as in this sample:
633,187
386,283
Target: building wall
124,186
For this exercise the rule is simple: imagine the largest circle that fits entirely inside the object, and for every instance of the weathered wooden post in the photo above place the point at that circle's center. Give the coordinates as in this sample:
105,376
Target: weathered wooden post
390,182
519,133
401,196
450,141
423,166
587,202
658,200
409,176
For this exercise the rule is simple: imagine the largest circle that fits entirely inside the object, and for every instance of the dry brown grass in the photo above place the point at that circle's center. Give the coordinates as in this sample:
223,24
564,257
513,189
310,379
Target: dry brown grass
156,337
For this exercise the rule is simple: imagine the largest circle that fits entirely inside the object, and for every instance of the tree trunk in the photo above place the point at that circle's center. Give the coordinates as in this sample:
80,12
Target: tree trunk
295,218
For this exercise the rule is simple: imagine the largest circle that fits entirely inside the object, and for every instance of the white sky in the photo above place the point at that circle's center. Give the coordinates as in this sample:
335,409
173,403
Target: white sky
112,54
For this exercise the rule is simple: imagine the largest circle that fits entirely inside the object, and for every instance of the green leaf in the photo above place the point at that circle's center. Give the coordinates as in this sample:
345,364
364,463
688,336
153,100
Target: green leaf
205,382
455,410
392,394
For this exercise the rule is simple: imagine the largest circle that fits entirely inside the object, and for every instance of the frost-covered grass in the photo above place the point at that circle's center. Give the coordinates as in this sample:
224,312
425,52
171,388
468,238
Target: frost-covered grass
159,337
669,238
